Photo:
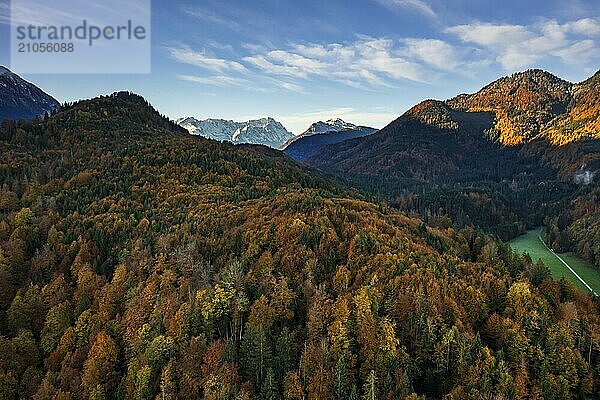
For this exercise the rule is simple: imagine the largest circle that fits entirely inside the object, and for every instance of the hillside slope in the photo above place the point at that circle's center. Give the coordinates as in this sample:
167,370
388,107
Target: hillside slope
523,104
536,104
582,117
439,162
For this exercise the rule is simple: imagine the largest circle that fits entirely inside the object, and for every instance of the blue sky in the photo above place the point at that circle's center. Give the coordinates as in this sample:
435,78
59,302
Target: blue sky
366,61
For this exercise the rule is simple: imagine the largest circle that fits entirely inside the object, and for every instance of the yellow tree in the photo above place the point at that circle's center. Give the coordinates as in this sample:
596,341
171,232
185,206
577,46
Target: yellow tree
100,366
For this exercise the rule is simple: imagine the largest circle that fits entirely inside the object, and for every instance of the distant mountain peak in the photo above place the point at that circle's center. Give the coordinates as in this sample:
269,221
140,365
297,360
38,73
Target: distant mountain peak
331,125
266,130
335,121
304,146
182,119
22,99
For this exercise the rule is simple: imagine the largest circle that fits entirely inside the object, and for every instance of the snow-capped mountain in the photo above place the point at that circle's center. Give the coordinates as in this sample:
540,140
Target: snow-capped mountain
320,127
22,99
264,131
217,129
321,134
331,125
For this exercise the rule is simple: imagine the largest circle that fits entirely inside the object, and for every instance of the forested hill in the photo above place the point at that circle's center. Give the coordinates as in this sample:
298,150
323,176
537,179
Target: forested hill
140,262
119,113
440,163
530,109
536,104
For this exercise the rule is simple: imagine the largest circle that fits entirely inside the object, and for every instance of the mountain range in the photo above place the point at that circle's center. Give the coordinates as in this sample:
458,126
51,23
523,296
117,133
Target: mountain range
20,99
264,131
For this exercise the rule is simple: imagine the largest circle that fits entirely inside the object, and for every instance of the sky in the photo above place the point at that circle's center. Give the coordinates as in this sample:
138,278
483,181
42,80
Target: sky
365,61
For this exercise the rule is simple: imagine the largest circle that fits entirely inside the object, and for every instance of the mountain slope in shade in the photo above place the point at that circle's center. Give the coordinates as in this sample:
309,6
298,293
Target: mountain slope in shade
20,99
534,109
265,131
430,142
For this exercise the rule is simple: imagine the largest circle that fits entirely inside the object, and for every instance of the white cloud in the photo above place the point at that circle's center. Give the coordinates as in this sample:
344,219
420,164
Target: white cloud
188,56
218,45
366,62
292,87
210,17
490,34
225,81
380,55
519,46
217,80
309,65
434,52
4,13
417,5
584,26
373,63
579,52
271,67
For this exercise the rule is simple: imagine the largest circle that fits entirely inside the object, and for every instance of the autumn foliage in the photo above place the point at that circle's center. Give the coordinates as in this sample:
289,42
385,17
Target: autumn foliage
140,262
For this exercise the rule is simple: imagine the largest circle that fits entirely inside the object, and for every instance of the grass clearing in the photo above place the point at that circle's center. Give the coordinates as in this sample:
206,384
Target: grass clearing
531,243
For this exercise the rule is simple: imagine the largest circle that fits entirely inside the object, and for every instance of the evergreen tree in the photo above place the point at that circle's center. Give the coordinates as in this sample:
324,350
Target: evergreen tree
256,354
341,381
370,387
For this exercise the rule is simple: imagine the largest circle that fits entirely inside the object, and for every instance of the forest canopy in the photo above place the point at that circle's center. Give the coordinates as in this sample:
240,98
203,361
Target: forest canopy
137,261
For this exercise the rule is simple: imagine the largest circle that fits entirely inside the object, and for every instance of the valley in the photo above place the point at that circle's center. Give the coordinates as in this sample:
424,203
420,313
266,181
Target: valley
491,159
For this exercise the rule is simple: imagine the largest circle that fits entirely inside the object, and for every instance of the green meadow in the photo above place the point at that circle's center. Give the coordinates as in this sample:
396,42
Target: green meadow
531,243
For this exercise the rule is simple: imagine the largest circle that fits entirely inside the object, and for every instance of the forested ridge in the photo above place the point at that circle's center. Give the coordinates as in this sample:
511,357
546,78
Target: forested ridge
140,262
520,153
